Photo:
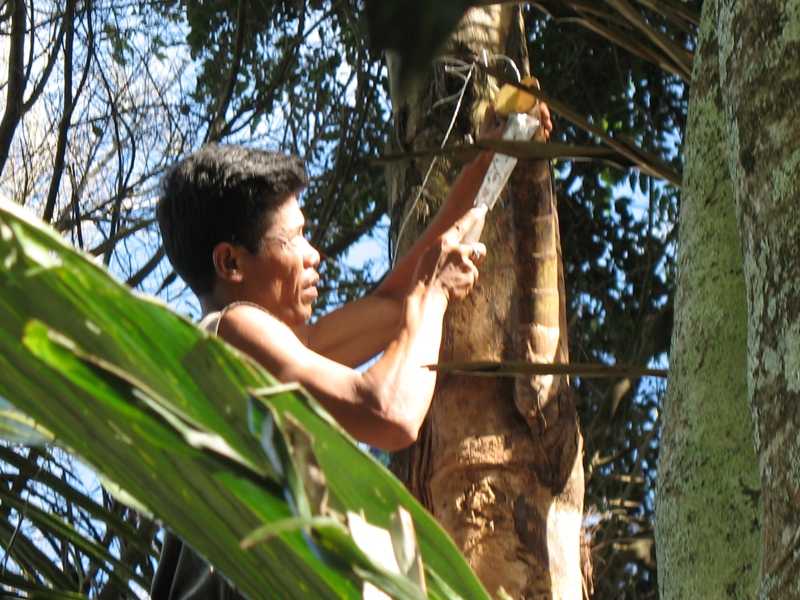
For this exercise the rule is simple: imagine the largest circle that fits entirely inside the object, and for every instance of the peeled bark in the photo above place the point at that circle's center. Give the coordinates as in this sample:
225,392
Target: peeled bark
760,82
498,462
546,402
708,505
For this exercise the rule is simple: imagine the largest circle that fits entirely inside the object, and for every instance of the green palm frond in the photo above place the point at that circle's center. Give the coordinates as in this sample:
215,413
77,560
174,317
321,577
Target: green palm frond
199,434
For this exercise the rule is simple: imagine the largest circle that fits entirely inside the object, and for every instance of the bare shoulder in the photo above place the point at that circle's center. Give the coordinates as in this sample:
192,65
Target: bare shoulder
245,314
259,333
277,348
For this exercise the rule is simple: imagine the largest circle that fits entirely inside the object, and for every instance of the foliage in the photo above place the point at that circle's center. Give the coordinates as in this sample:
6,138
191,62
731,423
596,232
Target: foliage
142,83
147,398
100,117
57,534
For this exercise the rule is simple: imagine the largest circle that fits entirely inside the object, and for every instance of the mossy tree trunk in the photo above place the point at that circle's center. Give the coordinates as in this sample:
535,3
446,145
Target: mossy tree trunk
760,82
708,489
499,461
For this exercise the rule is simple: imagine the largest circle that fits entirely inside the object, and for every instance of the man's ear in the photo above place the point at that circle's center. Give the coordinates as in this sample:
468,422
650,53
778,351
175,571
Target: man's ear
227,261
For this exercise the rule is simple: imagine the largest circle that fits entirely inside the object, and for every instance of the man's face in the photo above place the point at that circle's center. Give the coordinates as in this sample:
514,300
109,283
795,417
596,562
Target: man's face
283,277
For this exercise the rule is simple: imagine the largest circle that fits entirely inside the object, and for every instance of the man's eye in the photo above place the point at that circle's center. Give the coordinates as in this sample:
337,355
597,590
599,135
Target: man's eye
301,239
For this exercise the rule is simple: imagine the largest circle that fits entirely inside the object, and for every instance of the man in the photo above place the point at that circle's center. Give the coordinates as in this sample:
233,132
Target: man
233,229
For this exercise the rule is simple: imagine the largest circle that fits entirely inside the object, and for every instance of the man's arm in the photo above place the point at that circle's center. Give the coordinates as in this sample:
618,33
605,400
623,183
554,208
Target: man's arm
361,329
358,331
458,201
385,405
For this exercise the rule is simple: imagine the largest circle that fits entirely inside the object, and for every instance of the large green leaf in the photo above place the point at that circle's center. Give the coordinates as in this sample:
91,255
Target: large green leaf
179,421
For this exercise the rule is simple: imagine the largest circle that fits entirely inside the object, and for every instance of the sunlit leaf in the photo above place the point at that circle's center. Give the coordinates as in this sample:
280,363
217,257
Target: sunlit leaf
163,410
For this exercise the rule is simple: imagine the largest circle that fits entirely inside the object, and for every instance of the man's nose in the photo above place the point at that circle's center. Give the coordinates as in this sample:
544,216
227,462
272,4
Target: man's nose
311,256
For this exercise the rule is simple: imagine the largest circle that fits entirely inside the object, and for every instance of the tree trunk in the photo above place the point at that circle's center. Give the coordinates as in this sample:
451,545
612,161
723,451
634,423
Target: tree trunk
507,487
760,82
707,467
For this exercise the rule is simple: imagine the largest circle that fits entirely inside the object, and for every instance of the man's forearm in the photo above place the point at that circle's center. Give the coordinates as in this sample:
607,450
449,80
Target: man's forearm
458,201
403,385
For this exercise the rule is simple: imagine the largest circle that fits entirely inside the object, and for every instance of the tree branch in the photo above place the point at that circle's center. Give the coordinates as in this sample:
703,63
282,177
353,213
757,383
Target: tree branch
215,129
16,79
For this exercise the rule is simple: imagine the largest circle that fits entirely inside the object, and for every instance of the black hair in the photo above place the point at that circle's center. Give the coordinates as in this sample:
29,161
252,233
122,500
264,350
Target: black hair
222,194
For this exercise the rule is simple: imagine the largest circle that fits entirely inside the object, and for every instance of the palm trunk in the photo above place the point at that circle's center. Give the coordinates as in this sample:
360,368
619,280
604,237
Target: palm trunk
498,461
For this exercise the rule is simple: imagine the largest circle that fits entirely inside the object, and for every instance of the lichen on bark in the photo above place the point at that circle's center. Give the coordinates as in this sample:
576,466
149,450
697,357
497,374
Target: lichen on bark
707,465
761,94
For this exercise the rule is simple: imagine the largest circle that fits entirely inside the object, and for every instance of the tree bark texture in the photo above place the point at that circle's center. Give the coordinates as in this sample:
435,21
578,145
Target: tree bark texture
499,461
760,82
708,508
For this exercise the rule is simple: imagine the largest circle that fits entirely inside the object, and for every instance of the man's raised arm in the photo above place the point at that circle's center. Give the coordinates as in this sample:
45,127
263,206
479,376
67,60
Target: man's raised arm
386,404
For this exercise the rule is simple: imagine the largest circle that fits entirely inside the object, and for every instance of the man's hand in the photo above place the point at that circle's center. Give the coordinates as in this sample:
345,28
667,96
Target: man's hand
450,265
547,122
494,125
